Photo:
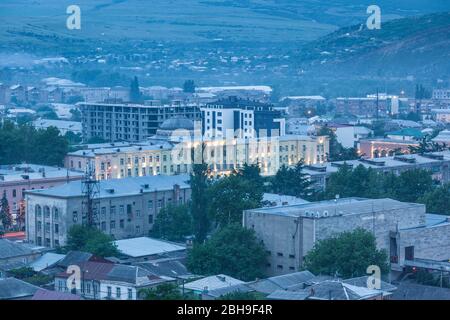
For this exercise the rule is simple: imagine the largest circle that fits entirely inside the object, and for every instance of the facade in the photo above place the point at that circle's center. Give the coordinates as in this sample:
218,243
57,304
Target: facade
129,122
382,147
402,229
169,156
363,106
441,115
15,179
122,208
441,94
241,119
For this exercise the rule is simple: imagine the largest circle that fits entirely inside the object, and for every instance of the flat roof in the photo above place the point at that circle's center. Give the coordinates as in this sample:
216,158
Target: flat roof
118,187
330,208
25,172
145,246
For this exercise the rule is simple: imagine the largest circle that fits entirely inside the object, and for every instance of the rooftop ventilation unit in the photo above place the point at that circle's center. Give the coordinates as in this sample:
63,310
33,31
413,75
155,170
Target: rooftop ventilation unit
433,156
405,159
374,162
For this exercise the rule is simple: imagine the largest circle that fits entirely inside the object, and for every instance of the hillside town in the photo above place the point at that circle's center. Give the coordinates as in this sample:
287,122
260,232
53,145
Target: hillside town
114,186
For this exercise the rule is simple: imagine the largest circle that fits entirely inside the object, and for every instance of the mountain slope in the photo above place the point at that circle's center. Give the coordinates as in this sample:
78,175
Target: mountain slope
417,46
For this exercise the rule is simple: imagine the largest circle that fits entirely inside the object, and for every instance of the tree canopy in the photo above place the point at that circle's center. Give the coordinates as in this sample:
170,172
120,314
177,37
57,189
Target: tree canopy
24,143
437,201
5,213
230,196
337,151
409,186
199,201
347,254
172,223
293,182
233,250
90,239
135,92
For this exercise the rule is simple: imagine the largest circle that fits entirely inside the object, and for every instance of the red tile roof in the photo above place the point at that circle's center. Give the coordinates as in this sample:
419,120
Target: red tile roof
91,270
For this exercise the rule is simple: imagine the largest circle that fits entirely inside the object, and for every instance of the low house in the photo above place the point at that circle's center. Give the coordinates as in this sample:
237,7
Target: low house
173,268
211,283
42,294
108,281
15,255
220,292
47,260
338,290
414,291
15,289
145,248
290,281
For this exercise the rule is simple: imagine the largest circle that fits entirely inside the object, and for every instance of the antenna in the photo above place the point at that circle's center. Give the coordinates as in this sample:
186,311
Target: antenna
90,190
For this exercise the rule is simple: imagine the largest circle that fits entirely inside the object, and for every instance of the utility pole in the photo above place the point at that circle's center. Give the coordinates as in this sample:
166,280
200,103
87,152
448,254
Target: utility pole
90,190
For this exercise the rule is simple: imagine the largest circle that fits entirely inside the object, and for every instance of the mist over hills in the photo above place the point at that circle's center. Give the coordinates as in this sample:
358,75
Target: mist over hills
298,46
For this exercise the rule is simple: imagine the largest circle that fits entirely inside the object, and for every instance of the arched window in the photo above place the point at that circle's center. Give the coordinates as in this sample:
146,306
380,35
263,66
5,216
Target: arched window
46,212
55,213
38,211
383,153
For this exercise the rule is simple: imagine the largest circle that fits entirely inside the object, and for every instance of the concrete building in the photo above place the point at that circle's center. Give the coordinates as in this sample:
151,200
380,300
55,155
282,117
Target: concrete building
122,208
15,179
241,119
441,94
129,122
169,152
441,115
404,230
172,156
349,136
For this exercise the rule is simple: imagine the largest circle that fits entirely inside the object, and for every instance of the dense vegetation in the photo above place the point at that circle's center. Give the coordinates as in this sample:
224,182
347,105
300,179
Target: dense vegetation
409,186
90,239
234,251
24,143
346,255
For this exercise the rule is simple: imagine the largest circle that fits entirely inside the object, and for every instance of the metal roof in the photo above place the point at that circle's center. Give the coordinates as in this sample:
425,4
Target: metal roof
145,246
118,187
12,288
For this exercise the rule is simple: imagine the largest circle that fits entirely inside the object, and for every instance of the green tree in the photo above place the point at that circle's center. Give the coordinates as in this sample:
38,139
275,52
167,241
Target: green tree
5,213
437,201
234,251
96,139
23,143
412,185
90,239
135,93
337,151
189,86
347,254
172,223
293,182
199,201
73,138
165,291
230,196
